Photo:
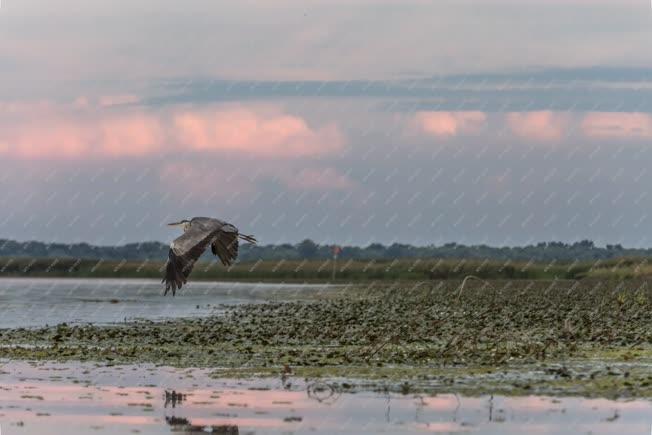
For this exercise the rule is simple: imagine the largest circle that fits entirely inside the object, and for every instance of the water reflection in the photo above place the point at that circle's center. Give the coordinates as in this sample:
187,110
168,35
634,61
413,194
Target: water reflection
176,421
82,398
323,392
172,398
183,425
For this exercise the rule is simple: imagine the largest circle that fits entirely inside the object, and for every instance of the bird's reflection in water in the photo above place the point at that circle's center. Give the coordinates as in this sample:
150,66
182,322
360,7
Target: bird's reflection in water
177,421
173,398
321,392
286,377
185,426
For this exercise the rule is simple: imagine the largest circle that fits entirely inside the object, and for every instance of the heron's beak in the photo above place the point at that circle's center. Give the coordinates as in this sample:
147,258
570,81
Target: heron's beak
174,224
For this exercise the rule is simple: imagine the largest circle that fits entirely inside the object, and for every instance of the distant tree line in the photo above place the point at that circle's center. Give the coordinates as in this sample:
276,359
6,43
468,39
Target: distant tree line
542,252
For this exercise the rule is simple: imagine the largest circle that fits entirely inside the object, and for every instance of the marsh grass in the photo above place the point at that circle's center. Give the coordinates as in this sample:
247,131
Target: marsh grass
304,270
621,268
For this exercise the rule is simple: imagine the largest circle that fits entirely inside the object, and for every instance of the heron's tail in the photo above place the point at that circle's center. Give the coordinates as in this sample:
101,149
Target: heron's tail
246,238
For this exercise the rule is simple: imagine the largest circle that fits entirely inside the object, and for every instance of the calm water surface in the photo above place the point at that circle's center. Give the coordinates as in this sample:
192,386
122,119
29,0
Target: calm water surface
49,398
26,302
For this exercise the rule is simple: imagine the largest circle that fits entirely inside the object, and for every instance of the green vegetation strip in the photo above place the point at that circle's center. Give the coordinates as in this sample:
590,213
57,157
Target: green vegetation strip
346,270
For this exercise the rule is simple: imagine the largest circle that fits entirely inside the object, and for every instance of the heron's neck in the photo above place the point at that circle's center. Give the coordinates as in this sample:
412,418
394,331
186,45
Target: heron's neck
186,226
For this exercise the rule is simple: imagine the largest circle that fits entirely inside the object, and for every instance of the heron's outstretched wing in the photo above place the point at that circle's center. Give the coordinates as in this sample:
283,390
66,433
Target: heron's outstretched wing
225,246
185,251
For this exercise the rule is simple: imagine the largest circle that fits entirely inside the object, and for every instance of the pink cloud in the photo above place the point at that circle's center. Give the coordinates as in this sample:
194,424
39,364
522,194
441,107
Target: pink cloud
545,126
605,125
130,136
448,124
81,129
62,140
550,126
248,131
56,136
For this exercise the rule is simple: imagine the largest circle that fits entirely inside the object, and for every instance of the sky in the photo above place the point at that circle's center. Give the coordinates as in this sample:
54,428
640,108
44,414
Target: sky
501,122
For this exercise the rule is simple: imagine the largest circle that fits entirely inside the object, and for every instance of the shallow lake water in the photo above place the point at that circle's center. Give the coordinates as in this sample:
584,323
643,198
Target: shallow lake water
28,302
53,398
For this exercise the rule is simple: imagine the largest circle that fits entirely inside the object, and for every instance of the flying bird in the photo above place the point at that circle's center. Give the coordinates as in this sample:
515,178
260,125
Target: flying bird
198,234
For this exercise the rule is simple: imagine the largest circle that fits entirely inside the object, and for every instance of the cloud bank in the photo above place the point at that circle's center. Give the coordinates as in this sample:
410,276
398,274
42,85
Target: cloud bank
67,132
537,126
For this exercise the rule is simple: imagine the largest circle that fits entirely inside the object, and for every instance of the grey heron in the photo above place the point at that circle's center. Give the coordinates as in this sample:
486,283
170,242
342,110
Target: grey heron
198,234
